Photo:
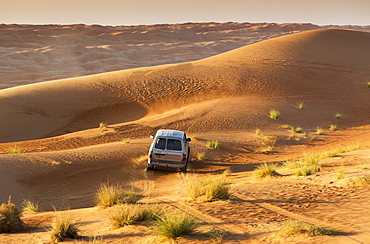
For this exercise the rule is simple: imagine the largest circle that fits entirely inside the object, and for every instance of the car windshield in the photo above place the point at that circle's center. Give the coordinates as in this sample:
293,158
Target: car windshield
160,143
173,144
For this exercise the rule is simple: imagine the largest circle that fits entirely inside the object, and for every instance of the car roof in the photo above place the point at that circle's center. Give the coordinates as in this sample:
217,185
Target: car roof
170,133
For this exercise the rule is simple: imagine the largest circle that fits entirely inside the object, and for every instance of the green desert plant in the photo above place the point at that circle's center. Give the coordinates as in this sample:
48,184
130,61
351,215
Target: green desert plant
29,206
102,125
175,224
265,170
298,129
212,144
338,115
208,188
300,105
109,195
274,114
288,127
296,227
10,218
368,84
319,130
340,173
126,140
258,132
201,156
15,150
62,226
332,127
303,171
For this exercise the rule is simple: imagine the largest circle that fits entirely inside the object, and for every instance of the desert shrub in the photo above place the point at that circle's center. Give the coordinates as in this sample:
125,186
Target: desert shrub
319,130
126,140
227,172
102,125
292,164
303,171
62,226
340,173
109,195
127,214
274,114
300,105
147,212
217,234
258,132
212,144
338,115
297,227
265,170
298,129
368,84
332,127
10,218
176,224
29,206
359,182
208,188
201,156
15,150
122,215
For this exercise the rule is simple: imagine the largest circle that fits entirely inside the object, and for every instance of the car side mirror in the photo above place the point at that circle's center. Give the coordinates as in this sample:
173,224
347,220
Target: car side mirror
151,136
188,139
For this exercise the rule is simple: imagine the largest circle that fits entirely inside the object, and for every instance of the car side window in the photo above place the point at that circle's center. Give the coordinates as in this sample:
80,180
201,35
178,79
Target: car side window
160,143
173,144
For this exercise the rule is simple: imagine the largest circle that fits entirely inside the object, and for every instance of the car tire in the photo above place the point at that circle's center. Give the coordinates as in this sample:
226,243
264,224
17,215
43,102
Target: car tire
150,167
183,169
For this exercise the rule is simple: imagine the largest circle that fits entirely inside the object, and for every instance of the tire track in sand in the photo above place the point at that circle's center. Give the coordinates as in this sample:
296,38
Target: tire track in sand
359,238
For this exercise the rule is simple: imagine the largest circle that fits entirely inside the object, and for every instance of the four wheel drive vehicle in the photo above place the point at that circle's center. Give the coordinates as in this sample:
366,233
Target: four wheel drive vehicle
170,148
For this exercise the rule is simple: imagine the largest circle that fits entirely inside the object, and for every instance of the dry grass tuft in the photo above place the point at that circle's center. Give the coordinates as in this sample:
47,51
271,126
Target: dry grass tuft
265,170
175,224
274,114
15,150
62,226
109,195
212,144
208,188
29,206
201,156
359,182
296,227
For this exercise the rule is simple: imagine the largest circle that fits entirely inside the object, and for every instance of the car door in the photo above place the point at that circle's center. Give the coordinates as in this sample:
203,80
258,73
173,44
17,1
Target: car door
174,151
159,150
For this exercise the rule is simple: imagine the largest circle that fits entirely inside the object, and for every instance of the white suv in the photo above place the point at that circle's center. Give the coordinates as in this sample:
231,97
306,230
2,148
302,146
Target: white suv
170,148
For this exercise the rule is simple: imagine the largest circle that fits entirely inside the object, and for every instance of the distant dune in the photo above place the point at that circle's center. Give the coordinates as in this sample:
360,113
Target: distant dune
330,66
35,53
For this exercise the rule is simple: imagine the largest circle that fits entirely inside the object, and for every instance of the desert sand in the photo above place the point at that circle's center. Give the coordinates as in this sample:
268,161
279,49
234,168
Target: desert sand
214,81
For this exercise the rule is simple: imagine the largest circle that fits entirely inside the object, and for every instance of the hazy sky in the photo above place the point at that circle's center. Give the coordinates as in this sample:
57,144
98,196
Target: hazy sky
135,12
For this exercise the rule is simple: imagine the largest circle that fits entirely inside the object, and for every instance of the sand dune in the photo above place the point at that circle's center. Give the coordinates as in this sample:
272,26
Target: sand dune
224,97
314,66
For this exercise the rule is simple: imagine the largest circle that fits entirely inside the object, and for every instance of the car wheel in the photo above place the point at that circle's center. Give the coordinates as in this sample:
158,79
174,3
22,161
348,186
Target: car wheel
150,167
183,169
